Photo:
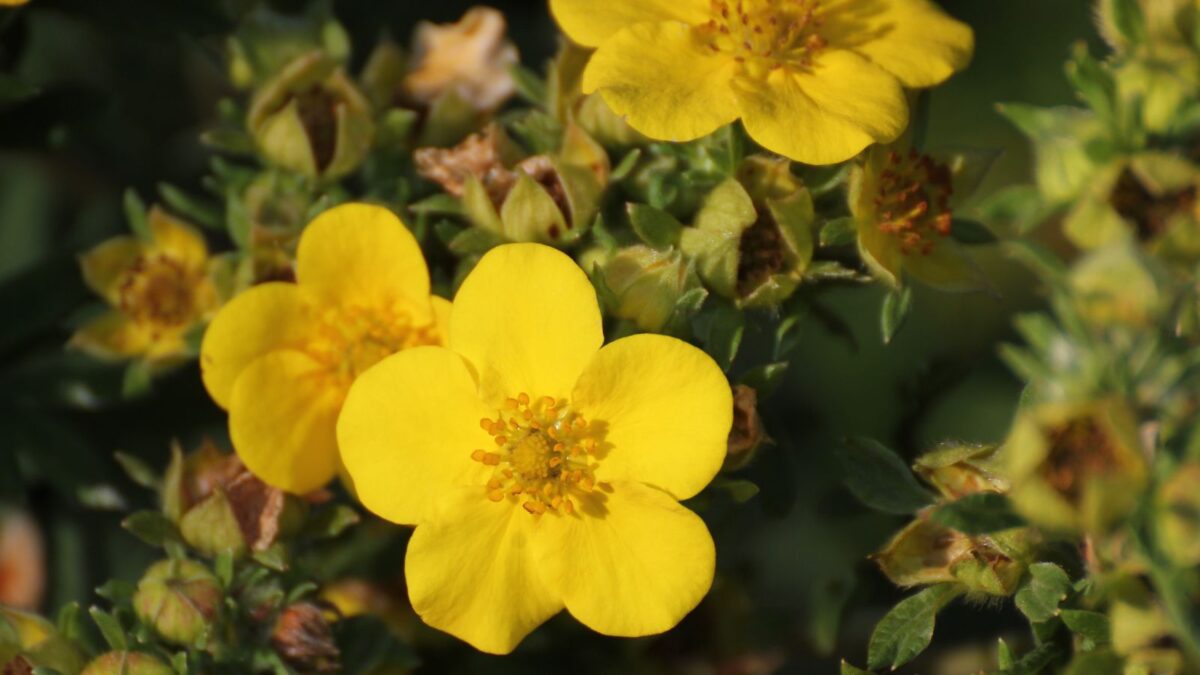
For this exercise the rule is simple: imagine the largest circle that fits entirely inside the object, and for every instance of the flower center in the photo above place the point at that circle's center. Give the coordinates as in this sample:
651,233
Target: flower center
1078,449
764,35
351,339
158,290
913,201
545,456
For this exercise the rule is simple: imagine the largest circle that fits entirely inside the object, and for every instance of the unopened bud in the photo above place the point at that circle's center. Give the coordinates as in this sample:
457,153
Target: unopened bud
647,284
179,599
960,469
303,637
127,663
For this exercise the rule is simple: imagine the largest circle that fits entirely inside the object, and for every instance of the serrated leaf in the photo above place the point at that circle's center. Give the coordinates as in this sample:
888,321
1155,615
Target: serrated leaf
979,513
110,628
655,227
897,305
138,471
1093,626
880,479
971,232
838,232
152,527
907,629
1046,587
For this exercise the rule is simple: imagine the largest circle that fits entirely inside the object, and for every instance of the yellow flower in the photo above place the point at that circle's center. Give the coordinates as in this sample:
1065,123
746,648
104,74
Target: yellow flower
815,80
158,289
12,2
280,357
542,471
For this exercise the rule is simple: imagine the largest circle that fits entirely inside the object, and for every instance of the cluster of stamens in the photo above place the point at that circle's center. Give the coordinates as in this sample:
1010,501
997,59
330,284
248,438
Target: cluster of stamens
544,456
765,35
351,339
913,201
158,291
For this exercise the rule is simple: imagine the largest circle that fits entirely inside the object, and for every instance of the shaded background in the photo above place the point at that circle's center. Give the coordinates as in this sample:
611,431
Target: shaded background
123,89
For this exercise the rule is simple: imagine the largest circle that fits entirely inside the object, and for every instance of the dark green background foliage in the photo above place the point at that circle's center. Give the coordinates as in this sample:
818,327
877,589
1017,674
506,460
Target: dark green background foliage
104,95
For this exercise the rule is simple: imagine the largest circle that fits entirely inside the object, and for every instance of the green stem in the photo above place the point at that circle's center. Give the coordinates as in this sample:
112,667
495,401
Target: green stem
1176,596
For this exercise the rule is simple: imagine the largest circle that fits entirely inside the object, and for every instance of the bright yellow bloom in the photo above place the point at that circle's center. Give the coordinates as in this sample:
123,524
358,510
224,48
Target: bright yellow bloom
159,290
280,357
12,2
815,80
542,471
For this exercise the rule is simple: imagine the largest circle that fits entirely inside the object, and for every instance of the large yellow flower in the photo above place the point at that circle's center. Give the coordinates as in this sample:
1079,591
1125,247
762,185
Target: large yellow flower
280,357
542,471
815,80
158,288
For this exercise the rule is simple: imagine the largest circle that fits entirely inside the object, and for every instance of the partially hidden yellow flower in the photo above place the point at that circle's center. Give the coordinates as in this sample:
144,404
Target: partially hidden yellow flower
158,289
12,2
815,80
542,470
281,356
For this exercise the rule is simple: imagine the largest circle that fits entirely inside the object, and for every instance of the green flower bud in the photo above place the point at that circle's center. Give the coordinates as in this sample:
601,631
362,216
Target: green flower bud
1075,467
179,599
211,527
37,644
1135,627
1113,285
1178,518
647,284
567,102
752,238
127,663
550,202
312,119
960,469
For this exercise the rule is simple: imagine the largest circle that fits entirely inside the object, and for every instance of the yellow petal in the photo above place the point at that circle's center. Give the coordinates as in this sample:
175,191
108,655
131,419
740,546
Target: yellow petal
282,418
177,239
911,39
471,572
947,267
527,320
880,250
264,318
826,115
113,336
665,80
668,409
589,23
104,266
362,254
407,430
634,564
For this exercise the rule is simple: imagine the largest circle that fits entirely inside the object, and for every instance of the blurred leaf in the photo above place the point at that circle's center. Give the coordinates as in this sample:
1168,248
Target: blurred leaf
897,305
1099,662
151,527
474,241
13,90
626,165
528,85
274,558
1093,626
765,379
223,567
839,232
880,479
440,204
138,471
1004,657
1045,588
739,490
1034,661
908,628
59,290
655,227
848,669
329,522
971,232
198,210
117,591
979,513
110,628
138,380
367,645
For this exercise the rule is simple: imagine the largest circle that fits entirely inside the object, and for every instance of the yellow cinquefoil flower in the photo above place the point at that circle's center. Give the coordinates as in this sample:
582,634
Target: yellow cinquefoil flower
542,471
815,80
280,357
158,288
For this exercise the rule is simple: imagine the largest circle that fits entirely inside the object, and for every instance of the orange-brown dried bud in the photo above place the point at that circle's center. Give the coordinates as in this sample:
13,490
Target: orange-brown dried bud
303,637
747,432
22,561
480,156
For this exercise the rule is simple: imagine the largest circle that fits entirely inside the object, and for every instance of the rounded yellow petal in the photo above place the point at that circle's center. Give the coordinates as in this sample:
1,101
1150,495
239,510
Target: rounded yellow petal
407,430
665,80
666,407
827,114
361,253
590,23
633,562
177,239
282,420
947,267
471,572
912,39
527,320
104,266
112,336
264,318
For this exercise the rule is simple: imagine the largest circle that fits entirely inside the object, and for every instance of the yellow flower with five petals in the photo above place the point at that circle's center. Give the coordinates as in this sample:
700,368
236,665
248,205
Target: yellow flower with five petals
281,356
542,470
814,80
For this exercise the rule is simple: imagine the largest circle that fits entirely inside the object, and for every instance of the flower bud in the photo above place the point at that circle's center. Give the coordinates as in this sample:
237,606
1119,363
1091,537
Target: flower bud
38,644
1075,467
22,560
312,119
303,637
1178,517
960,469
752,238
1113,285
127,663
747,432
179,599
647,284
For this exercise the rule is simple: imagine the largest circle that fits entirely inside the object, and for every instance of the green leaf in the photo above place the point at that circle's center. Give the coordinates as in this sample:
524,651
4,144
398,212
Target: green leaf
880,479
223,567
626,165
528,85
275,557
979,513
1093,83
441,204
135,215
655,227
1099,662
300,591
474,241
838,232
1046,587
765,379
1033,662
907,630
195,209
330,522
117,591
971,232
739,490
723,329
897,305
1093,626
110,628
8,633
152,527
1004,656
137,380
69,622
138,471
848,669
13,90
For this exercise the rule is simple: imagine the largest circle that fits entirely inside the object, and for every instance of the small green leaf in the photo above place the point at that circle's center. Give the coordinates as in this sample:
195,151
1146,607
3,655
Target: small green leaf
655,227
441,204
110,628
330,522
1004,656
138,471
1045,588
223,567
137,381
8,633
528,85
971,232
979,513
135,215
1099,662
739,490
152,527
880,479
725,325
274,558
897,305
848,669
117,591
195,209
1093,626
838,232
300,591
907,630
765,379
626,165
69,622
